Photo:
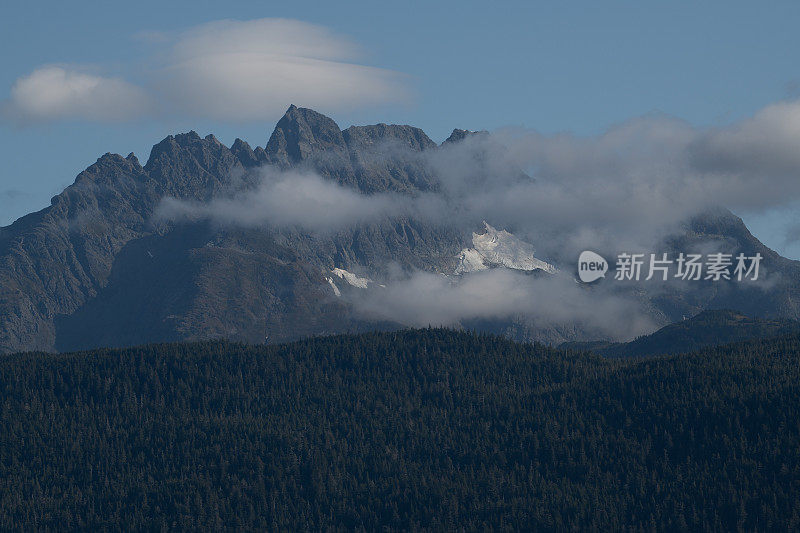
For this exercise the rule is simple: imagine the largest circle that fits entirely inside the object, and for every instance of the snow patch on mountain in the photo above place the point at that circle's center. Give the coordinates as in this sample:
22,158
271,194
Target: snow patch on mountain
470,260
352,279
336,290
499,248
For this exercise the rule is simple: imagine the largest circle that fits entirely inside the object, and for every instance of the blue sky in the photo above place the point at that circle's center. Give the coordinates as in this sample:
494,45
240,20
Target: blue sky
578,67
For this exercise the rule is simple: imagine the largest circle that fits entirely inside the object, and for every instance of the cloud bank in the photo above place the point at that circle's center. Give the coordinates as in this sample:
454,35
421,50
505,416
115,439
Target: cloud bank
550,302
226,70
626,188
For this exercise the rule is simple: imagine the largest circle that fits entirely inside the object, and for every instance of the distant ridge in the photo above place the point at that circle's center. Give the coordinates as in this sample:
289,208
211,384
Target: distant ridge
709,328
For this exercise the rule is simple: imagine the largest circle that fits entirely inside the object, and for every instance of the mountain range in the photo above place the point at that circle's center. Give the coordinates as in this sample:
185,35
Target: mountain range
101,267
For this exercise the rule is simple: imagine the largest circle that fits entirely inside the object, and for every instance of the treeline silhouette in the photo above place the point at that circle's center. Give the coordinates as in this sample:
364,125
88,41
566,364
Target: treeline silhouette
417,429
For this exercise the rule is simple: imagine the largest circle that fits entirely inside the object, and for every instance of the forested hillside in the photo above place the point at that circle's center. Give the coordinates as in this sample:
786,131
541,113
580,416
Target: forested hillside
415,429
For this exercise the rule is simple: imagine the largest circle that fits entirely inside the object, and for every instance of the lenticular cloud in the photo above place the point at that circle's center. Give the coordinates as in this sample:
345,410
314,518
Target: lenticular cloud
225,70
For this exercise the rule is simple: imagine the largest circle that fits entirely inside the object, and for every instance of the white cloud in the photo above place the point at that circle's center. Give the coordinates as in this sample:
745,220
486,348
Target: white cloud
55,92
624,189
286,199
765,143
253,70
432,299
225,70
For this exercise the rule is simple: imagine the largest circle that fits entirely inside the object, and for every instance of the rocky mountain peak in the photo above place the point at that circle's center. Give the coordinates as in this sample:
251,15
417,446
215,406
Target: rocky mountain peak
107,168
186,165
246,155
132,159
407,136
302,132
460,135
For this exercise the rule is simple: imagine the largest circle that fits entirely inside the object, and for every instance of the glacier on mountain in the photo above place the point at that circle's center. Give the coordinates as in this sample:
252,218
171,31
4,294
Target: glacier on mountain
499,248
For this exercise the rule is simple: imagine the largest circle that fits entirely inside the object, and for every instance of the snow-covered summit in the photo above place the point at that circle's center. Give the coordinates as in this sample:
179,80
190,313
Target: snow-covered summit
499,248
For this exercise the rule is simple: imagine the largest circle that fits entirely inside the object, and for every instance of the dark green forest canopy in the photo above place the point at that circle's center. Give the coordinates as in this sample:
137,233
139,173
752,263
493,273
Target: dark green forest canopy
414,429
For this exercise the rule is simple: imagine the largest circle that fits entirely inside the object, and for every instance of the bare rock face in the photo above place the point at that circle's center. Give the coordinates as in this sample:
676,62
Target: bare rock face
390,158
301,133
54,261
459,135
98,268
246,155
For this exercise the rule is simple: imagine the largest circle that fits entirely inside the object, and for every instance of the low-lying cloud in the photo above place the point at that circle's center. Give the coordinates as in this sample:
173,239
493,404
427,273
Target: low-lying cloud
289,199
547,302
627,188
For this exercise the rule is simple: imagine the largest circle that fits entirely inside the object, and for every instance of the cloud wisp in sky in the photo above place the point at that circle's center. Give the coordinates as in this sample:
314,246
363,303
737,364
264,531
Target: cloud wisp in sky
252,70
59,92
226,70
